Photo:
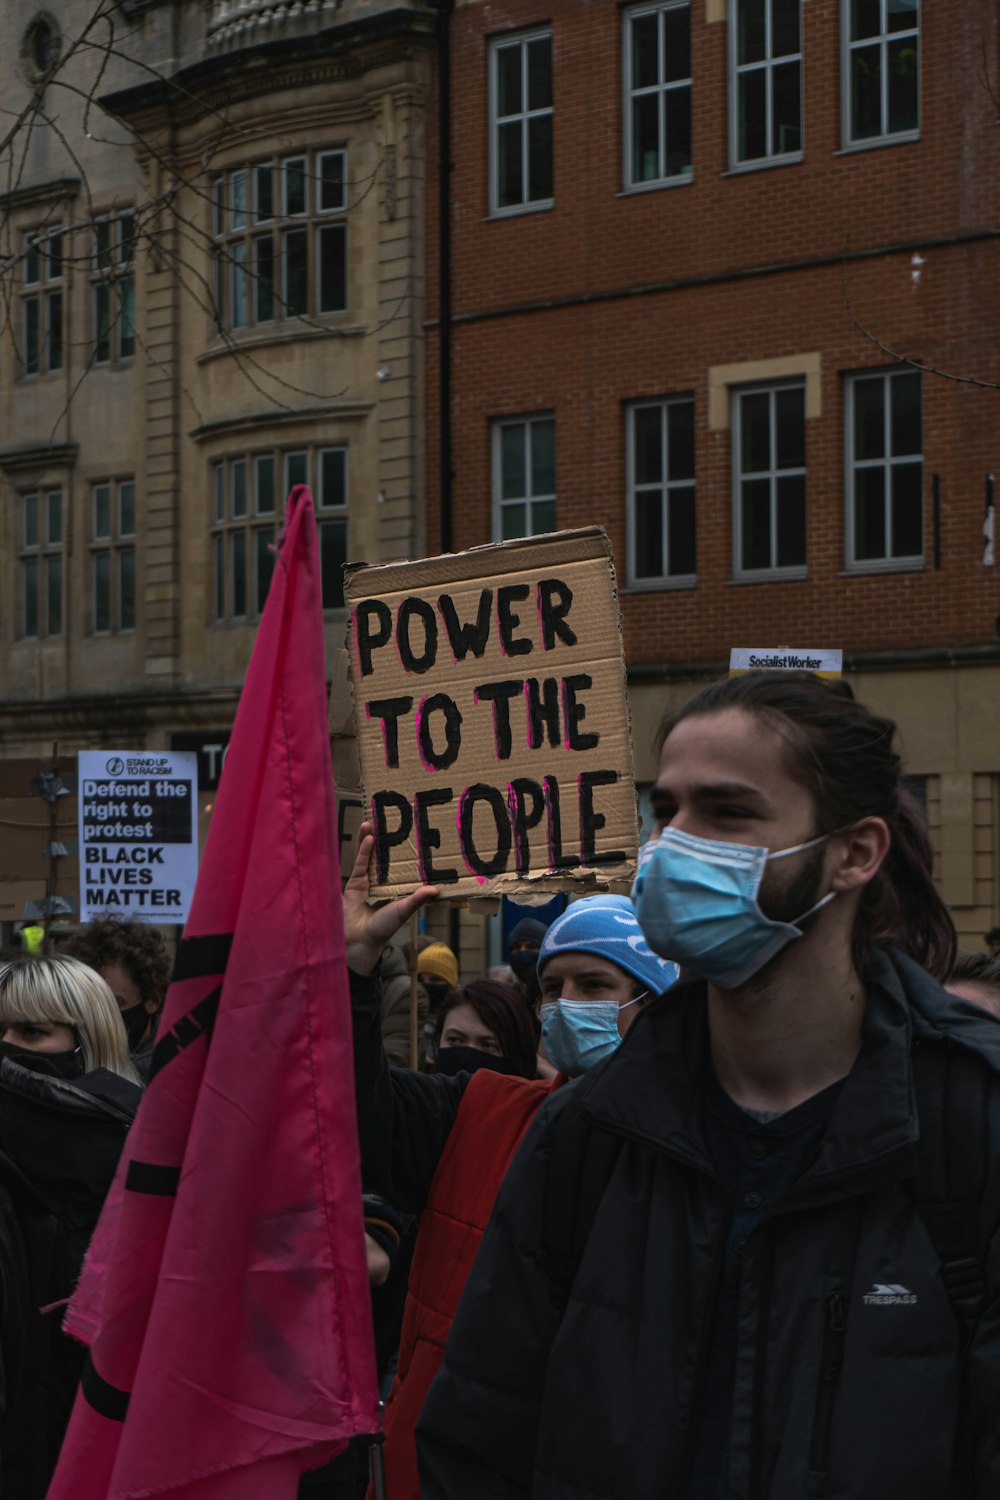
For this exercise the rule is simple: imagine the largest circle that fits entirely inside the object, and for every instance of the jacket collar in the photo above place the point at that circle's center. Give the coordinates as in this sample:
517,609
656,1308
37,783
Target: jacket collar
97,1094
649,1089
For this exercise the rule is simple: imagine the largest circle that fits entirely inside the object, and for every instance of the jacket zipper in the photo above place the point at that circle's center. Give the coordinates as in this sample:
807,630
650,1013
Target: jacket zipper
760,1356
693,1418
833,1358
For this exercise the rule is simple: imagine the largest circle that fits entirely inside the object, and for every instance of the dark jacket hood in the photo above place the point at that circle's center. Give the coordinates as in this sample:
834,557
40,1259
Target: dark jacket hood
874,1120
65,1138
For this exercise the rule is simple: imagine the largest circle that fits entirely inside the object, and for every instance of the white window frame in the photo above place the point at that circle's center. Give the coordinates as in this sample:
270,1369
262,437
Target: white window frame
529,500
667,486
914,562
887,137
767,65
774,572
629,94
497,44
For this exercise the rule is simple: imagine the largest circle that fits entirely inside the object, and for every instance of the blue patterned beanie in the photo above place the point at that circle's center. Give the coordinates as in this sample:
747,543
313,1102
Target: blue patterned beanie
607,926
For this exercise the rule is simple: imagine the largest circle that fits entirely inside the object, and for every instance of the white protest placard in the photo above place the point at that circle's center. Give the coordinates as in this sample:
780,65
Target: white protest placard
138,812
492,719
824,662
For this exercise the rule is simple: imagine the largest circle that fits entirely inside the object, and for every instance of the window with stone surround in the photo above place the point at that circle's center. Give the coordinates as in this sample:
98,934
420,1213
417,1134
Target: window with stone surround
769,480
279,230
112,556
248,492
41,560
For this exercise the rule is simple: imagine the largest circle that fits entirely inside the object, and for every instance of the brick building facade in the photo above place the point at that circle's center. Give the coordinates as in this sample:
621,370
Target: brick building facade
699,254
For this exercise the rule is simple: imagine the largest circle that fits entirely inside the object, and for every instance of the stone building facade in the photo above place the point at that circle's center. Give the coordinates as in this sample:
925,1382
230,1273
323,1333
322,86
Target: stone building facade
212,250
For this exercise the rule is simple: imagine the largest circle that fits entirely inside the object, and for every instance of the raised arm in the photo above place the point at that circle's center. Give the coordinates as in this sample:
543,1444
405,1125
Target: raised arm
403,1117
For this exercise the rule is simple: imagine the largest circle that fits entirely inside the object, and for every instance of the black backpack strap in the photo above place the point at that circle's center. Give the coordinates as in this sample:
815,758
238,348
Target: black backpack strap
951,1087
580,1164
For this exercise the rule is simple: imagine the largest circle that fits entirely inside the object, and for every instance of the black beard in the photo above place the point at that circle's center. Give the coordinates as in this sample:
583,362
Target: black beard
786,898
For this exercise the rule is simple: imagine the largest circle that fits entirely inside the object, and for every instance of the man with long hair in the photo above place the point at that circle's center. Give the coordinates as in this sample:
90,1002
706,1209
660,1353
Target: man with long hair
780,1269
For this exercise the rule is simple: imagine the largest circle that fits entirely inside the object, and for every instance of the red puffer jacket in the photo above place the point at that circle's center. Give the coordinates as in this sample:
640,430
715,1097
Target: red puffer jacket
494,1113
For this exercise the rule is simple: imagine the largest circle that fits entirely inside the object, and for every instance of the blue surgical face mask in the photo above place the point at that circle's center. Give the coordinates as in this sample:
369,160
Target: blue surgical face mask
696,902
578,1034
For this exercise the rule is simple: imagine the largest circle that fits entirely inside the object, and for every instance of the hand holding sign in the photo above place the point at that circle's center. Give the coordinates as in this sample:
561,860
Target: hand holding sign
368,928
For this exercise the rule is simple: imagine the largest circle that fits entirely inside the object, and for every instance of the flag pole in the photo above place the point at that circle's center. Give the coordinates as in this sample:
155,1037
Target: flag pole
414,1038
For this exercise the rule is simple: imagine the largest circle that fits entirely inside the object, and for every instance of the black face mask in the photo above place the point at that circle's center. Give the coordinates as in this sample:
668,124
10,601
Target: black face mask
525,966
452,1060
67,1065
137,1019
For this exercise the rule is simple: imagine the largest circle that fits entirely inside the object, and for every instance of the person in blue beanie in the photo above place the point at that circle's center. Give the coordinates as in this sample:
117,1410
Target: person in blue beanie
596,973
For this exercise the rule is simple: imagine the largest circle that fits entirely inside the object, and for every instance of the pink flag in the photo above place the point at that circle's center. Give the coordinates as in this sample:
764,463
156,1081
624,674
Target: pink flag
225,1294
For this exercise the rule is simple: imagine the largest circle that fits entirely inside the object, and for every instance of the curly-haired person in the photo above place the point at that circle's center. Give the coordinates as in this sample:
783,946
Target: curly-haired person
133,959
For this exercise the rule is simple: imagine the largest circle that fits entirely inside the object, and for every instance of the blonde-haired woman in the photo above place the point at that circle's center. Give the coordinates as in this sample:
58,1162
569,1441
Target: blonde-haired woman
63,1011
68,1094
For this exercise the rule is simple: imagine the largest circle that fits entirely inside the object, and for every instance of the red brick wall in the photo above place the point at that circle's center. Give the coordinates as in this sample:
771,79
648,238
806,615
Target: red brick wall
584,362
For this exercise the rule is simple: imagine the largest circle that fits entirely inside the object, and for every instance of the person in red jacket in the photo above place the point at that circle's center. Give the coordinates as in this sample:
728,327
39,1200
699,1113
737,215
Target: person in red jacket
439,1145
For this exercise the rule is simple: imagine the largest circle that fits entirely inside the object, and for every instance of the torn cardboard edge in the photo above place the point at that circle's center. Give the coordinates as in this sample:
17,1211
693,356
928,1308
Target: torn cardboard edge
397,593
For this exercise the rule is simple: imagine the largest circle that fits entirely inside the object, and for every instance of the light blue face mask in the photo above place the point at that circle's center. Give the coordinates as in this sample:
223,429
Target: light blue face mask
578,1034
696,902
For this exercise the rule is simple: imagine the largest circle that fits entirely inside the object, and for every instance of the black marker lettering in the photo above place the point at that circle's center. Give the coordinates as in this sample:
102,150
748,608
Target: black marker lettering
439,760
497,863
429,838
527,806
428,619
500,694
574,713
369,640
557,859
555,599
543,711
509,620
466,638
390,711
386,838
592,822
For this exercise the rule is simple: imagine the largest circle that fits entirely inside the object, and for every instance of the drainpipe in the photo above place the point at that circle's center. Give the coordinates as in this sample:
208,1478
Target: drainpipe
444,10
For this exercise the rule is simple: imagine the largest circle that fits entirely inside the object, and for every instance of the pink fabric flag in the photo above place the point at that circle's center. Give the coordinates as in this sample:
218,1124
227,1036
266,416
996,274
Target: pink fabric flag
225,1294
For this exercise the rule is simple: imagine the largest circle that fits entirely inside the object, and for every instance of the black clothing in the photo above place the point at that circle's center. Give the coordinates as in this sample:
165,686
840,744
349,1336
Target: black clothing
59,1147
756,1164
403,1117
839,1390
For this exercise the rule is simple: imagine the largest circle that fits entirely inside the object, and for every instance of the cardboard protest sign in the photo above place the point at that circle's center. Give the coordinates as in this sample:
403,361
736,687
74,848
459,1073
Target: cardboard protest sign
822,663
492,720
138,833
346,771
